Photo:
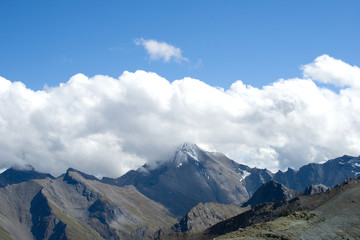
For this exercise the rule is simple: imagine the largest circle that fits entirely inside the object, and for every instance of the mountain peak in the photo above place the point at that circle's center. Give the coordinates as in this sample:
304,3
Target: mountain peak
187,146
84,175
270,192
185,152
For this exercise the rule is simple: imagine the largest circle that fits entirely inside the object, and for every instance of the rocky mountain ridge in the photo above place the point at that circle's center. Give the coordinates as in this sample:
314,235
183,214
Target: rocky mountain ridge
192,188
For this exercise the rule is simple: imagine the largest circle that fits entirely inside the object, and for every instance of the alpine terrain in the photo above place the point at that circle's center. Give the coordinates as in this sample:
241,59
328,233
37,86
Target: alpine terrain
195,194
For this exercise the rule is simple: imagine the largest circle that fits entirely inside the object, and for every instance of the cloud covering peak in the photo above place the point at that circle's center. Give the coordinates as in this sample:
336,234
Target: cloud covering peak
107,126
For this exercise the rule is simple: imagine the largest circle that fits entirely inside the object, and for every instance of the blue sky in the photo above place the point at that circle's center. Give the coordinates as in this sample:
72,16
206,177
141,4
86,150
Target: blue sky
156,74
258,42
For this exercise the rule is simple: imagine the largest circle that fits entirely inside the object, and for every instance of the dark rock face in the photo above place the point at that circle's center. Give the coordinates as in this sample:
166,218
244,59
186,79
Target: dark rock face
101,213
44,224
271,191
14,176
194,176
329,173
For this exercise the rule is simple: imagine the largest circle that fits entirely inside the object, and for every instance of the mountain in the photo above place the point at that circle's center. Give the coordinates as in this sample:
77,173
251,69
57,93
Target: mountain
271,191
329,173
194,176
74,207
333,214
13,175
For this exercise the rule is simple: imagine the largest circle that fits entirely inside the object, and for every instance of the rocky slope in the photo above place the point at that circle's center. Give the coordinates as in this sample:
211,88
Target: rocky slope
73,207
203,216
331,215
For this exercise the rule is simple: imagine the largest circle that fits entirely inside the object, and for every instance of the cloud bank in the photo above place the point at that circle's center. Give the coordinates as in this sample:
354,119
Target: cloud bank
161,50
107,126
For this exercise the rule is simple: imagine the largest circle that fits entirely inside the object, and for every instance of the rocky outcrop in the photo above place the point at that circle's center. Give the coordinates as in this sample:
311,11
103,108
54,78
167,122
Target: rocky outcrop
314,189
271,191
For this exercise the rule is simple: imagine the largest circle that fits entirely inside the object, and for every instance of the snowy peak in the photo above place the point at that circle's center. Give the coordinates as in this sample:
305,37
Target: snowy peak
188,147
185,152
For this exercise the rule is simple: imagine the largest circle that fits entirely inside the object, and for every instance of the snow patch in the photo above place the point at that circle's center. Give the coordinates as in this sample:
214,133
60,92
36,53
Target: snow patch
356,165
243,174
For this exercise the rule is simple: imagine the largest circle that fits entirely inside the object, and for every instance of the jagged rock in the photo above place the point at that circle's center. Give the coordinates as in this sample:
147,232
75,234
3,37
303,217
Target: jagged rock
314,189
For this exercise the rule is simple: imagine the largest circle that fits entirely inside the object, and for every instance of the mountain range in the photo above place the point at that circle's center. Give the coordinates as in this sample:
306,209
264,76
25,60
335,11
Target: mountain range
191,192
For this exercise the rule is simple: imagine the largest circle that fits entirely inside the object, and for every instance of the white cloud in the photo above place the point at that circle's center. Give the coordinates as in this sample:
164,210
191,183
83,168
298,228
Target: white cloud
326,69
106,126
161,50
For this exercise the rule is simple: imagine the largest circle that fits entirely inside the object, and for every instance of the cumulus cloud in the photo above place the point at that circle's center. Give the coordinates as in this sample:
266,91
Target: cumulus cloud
161,50
326,69
107,126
